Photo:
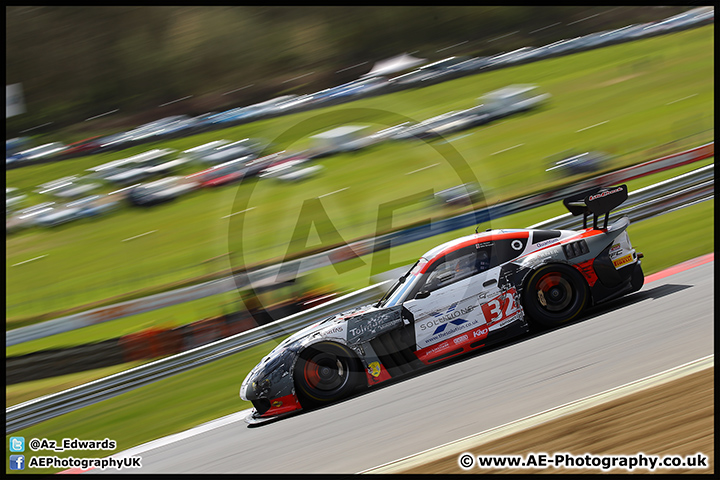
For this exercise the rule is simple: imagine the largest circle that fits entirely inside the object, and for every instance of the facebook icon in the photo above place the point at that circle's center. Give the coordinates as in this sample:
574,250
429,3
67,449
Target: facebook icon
17,462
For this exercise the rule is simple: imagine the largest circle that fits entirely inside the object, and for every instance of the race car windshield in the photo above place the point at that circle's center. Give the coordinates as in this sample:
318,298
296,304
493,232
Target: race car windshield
401,285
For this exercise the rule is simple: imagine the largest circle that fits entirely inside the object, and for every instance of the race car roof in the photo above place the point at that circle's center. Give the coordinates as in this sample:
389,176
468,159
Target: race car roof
492,235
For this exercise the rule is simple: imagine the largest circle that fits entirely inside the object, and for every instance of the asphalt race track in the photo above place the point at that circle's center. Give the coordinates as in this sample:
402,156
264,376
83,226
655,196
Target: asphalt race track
668,323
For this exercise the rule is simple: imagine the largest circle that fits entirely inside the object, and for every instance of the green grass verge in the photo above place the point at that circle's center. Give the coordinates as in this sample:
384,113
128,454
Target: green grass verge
205,393
638,96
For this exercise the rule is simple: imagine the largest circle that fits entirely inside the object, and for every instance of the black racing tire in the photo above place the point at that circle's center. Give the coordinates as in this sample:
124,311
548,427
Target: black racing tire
554,295
326,372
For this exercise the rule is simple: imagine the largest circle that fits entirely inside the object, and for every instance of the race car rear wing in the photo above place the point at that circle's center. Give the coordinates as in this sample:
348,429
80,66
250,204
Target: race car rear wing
596,201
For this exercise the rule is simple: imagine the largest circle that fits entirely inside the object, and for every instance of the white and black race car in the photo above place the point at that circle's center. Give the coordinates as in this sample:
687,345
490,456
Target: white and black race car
458,297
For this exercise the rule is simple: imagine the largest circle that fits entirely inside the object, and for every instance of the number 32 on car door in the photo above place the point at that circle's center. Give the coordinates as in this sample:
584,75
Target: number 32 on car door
500,308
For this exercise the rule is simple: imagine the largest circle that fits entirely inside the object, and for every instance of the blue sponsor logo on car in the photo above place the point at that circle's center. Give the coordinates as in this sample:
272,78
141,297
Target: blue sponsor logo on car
441,328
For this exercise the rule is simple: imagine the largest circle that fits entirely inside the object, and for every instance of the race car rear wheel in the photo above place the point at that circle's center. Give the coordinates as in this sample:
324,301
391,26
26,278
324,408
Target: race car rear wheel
326,372
555,294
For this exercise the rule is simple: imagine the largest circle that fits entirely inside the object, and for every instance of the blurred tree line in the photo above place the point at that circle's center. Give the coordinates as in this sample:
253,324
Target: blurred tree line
78,62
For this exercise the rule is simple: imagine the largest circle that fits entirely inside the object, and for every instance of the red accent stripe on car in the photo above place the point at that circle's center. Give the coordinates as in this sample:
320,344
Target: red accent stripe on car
586,268
288,403
459,342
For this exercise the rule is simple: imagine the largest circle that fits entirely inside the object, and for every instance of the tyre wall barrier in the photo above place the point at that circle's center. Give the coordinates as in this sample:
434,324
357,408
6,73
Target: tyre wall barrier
203,332
147,344
51,363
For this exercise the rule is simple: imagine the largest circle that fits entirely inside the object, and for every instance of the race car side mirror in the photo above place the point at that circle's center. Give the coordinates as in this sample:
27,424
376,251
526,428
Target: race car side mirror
422,294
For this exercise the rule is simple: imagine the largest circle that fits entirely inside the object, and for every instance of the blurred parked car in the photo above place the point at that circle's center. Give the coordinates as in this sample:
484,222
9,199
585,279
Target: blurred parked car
85,207
465,194
337,140
431,127
246,149
161,191
389,133
86,146
297,173
456,122
284,164
510,58
45,151
223,174
432,72
164,127
126,171
14,146
69,187
253,167
296,103
356,88
578,163
116,141
14,200
512,99
196,153
26,217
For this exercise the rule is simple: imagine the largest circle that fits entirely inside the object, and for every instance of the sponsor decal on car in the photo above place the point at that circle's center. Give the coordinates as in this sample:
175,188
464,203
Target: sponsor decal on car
460,339
554,251
450,329
452,317
500,308
439,348
603,194
622,261
363,327
480,333
374,369
616,254
442,327
334,330
547,242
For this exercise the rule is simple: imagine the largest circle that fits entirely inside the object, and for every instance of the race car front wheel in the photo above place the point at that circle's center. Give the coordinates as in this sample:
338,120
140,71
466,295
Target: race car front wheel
555,294
326,372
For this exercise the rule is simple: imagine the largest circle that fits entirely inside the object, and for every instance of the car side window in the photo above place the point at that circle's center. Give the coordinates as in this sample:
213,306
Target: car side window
454,267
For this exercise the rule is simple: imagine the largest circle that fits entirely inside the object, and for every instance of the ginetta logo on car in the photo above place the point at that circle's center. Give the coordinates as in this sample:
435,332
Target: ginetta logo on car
604,194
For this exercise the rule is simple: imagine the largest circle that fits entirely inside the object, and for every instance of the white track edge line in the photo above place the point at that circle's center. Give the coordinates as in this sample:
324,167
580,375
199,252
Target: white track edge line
176,437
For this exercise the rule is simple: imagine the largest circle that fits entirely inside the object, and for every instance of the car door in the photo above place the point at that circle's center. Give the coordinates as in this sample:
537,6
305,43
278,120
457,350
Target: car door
447,301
